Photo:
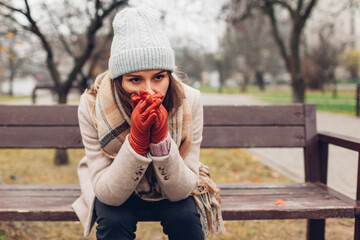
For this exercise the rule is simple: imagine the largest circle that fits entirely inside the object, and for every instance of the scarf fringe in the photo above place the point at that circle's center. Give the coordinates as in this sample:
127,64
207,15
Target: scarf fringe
207,198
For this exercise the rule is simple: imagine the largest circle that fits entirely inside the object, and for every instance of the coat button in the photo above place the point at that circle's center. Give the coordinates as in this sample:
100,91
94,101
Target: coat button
136,178
163,172
166,178
138,173
161,168
141,168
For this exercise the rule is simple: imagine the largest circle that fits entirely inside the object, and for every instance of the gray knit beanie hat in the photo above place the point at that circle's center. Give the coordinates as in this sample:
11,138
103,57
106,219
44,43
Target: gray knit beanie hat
139,43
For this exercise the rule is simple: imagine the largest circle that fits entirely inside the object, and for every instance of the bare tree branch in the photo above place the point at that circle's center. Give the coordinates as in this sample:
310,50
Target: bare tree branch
12,8
87,11
299,6
95,24
102,11
43,40
97,7
114,5
284,5
9,16
27,7
61,36
269,10
237,6
50,56
308,9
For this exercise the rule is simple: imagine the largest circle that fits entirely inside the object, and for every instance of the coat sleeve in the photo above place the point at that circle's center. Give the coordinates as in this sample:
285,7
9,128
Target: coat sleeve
178,177
115,180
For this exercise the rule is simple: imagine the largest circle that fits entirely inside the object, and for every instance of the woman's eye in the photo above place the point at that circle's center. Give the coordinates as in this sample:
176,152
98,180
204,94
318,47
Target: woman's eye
159,77
135,80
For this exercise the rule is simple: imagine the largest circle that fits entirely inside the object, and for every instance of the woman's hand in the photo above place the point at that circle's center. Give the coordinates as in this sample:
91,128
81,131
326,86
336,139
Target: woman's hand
142,118
159,130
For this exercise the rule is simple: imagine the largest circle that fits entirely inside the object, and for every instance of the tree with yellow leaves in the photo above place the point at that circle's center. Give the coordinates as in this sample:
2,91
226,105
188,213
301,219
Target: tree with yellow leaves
350,60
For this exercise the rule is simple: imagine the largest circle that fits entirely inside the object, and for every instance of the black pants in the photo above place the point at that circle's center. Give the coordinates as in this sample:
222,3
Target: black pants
180,220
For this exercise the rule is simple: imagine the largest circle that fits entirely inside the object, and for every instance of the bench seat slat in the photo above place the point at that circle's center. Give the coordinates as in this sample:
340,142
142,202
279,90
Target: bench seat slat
53,202
277,185
234,192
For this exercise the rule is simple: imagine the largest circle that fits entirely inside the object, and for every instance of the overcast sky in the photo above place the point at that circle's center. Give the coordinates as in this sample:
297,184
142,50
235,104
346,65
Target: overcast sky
195,20
191,20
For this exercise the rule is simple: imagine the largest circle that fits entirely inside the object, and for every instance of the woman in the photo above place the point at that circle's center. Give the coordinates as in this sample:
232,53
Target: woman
142,130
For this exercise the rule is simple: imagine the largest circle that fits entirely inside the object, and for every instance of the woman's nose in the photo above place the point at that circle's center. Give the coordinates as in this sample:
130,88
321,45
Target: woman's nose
148,88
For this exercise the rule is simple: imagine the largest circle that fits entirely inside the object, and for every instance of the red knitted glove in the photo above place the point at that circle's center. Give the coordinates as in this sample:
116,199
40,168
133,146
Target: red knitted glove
159,130
142,118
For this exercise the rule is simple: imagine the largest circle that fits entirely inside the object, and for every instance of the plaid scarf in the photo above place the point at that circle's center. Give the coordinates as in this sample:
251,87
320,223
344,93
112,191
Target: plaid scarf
113,124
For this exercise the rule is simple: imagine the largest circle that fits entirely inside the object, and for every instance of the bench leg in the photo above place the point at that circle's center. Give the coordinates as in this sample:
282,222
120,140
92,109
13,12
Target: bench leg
315,229
357,228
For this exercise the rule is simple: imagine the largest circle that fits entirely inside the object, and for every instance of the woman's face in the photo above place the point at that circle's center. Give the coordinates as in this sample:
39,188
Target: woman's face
153,81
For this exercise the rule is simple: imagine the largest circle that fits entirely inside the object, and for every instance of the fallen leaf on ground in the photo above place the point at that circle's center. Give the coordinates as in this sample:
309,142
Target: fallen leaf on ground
280,202
256,180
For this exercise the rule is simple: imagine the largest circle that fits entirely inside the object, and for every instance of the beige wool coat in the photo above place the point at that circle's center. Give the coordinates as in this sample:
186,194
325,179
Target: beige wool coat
113,181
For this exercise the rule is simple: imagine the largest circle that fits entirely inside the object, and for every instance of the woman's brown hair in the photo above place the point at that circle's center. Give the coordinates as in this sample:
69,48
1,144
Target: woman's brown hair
173,99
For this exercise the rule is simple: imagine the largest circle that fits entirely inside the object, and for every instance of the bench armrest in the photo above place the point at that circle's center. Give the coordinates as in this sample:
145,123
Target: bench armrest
351,143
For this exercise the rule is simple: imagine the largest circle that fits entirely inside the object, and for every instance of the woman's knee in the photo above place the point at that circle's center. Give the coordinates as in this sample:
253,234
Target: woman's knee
183,223
117,221
184,218
182,214
109,217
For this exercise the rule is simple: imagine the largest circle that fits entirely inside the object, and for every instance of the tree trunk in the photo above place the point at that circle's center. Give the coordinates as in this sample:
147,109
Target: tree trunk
298,88
221,74
62,94
298,81
11,78
11,85
322,81
292,60
260,79
1,87
83,83
61,157
334,83
245,83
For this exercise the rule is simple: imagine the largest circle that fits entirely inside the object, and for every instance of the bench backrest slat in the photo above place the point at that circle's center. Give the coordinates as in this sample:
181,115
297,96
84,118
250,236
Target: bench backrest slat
224,126
40,137
232,137
57,115
283,115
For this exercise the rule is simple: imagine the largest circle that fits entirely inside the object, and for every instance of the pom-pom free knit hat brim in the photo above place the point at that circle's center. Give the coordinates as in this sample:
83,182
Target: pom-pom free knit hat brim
139,43
141,59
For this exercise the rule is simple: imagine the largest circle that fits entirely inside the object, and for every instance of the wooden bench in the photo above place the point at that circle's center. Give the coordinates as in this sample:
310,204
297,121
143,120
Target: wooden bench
52,88
290,126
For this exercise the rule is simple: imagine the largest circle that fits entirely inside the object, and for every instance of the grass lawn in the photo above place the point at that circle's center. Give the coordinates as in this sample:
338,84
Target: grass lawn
226,165
4,99
345,102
